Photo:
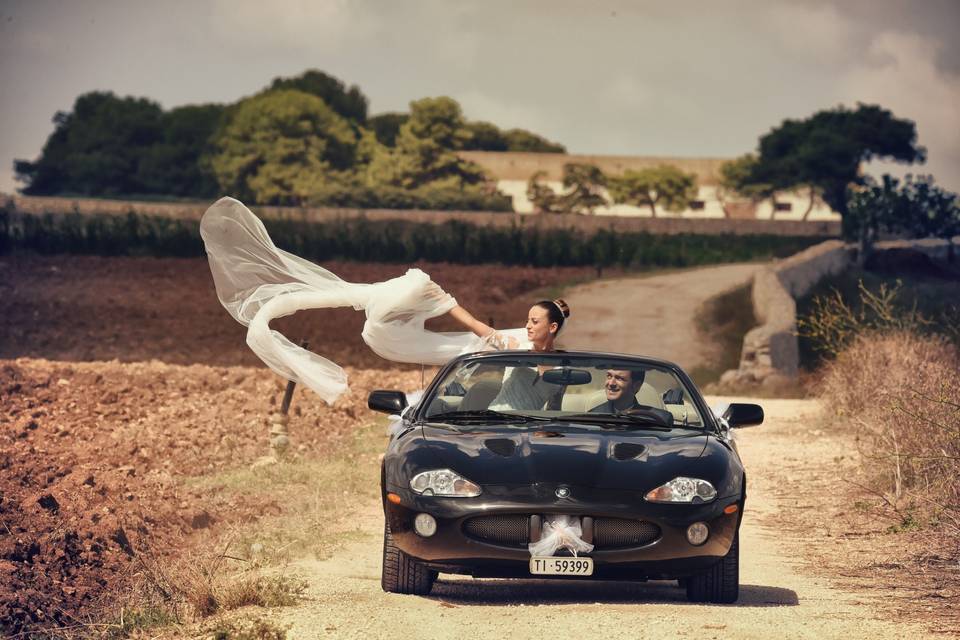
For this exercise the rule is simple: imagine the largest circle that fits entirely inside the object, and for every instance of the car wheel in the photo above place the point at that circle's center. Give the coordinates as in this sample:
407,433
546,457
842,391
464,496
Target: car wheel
401,573
721,582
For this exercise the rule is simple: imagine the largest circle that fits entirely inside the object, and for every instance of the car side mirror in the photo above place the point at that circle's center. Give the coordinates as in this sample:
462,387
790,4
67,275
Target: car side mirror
391,402
741,414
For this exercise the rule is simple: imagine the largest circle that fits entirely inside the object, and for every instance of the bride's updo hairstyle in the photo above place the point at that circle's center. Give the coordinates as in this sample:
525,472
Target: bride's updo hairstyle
557,310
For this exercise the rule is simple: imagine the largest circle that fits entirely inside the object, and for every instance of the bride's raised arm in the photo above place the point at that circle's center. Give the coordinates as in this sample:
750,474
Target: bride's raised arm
465,318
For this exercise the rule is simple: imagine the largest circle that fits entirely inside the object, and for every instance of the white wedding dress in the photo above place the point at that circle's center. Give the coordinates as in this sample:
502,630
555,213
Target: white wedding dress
257,282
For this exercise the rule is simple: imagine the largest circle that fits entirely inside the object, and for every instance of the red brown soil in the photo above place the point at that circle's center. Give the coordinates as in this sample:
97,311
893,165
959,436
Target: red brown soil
137,309
121,376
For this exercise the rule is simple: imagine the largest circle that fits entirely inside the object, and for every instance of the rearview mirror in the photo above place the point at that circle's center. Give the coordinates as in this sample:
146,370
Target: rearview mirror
740,414
392,402
567,376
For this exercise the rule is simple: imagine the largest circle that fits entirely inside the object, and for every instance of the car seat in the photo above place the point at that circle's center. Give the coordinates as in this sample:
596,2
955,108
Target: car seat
480,395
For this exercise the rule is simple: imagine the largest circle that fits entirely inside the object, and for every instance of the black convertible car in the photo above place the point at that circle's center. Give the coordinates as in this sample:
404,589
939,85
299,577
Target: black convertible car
563,464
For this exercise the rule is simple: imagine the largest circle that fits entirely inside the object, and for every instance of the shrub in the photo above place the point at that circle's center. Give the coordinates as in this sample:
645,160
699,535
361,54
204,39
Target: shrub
426,198
842,308
833,323
900,389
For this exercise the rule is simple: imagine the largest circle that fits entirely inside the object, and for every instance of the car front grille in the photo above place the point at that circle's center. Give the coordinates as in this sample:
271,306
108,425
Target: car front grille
621,533
513,530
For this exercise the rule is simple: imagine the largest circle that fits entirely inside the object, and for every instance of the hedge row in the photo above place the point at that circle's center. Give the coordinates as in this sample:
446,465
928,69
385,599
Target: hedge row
396,241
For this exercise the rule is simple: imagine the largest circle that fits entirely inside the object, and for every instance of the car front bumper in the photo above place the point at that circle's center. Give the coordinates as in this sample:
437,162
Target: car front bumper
670,555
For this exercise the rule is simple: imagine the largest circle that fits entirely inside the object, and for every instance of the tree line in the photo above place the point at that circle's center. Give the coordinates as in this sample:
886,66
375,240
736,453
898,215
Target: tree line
305,140
308,140
821,156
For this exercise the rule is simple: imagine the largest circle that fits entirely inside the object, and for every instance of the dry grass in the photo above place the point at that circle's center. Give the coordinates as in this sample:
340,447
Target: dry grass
198,587
892,374
257,629
901,391
245,564
208,593
308,503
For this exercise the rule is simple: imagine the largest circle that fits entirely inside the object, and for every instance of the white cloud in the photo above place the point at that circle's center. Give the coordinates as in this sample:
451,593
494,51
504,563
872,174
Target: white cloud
506,114
289,24
625,91
811,32
900,73
29,41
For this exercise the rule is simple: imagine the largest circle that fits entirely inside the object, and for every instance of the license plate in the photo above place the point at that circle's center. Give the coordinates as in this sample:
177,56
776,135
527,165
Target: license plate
550,566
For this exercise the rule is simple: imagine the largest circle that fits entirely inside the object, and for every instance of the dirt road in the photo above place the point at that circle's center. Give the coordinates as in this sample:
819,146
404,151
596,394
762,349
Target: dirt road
779,596
653,316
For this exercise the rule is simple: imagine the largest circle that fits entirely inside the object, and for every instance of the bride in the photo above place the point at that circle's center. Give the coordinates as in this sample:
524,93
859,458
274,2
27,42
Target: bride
257,282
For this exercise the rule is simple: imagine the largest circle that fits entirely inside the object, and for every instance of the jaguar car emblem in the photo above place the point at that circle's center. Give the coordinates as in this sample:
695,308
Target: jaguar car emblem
563,492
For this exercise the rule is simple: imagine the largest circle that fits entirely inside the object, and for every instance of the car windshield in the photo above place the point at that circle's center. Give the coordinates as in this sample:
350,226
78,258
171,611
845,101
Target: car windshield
611,392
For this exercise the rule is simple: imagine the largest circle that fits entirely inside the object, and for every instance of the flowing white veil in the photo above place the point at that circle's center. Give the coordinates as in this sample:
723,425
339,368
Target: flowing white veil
257,282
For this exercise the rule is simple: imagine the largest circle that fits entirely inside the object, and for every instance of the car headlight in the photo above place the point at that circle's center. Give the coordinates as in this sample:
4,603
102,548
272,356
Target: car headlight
443,482
682,489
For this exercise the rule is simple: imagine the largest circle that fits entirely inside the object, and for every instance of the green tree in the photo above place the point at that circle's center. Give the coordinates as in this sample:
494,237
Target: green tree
522,140
439,120
872,208
931,211
178,165
825,152
281,146
425,150
95,149
735,182
543,198
485,136
916,208
386,127
585,183
663,185
348,102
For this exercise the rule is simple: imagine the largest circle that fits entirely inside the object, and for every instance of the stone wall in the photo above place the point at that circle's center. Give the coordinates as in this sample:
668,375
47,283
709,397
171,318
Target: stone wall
587,224
770,355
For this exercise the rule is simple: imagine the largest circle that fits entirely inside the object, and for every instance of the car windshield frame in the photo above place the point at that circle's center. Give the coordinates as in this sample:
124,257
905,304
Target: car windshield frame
585,359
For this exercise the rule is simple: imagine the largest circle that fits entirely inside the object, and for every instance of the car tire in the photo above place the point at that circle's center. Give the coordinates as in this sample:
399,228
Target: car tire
721,582
401,573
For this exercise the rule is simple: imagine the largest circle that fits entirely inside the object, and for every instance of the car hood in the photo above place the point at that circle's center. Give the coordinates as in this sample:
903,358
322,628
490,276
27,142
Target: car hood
566,454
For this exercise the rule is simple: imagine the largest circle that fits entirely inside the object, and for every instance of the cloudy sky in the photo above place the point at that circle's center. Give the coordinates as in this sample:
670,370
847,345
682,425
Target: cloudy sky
634,77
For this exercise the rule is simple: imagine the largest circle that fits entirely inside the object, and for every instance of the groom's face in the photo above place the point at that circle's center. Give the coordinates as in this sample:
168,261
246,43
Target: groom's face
620,385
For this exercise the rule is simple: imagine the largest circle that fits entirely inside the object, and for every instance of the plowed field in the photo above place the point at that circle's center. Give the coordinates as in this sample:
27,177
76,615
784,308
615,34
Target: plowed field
120,377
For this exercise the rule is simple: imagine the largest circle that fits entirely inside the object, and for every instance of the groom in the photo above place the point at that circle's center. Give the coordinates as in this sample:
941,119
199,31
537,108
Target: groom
621,388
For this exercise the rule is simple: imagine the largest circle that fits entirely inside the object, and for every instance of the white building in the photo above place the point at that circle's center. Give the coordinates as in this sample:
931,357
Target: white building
513,170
